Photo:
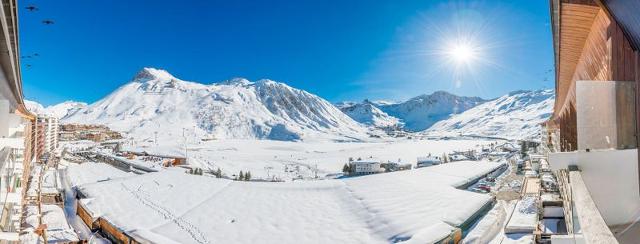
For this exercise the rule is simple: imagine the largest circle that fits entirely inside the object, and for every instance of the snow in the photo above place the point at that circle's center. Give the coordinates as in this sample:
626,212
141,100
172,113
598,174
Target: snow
169,206
58,230
64,109
91,172
267,159
34,106
157,102
524,218
489,226
421,112
517,115
368,114
77,146
59,110
50,182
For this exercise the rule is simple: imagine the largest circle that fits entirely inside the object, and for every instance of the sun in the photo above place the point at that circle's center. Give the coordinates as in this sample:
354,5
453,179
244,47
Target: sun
462,53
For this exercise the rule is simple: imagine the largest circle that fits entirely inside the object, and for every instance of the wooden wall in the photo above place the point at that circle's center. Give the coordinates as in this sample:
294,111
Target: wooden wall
86,217
595,60
607,55
113,233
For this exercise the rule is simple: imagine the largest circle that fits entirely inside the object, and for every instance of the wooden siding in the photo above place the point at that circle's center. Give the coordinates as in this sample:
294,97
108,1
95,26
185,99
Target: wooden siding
595,58
113,233
623,56
593,46
575,23
626,115
86,217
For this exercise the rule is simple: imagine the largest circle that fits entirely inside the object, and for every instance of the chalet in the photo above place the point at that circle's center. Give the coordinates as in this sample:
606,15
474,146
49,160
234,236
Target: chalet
367,166
592,136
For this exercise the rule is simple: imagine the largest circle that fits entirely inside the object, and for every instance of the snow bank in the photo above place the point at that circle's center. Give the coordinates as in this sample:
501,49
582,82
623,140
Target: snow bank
171,206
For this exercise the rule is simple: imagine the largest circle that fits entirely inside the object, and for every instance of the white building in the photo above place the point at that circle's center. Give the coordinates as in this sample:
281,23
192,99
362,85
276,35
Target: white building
428,161
51,134
367,166
16,128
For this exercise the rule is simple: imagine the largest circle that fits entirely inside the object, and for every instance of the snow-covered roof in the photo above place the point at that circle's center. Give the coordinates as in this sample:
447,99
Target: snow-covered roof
428,159
58,230
422,204
366,161
90,172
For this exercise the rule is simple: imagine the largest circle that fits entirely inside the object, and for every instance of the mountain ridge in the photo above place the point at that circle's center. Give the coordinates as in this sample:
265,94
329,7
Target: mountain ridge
156,102
516,115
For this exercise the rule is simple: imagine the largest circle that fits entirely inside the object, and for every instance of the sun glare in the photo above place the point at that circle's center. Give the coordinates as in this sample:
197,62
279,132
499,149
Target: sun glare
462,53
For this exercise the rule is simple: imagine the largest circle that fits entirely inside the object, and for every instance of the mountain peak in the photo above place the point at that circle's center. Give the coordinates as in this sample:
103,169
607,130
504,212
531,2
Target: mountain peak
148,73
442,93
524,111
237,81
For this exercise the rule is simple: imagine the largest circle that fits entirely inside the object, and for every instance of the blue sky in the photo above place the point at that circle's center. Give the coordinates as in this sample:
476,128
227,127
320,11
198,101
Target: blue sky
340,50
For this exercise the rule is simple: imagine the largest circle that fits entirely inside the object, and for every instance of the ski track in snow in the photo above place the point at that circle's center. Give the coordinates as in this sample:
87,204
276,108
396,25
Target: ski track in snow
185,225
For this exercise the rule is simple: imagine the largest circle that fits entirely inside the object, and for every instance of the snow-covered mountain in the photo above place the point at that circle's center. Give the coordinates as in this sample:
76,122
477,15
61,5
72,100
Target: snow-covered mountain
421,112
367,113
155,102
34,107
516,115
64,109
59,110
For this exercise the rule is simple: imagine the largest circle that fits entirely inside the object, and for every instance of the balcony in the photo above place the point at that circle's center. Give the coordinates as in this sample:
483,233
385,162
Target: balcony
604,192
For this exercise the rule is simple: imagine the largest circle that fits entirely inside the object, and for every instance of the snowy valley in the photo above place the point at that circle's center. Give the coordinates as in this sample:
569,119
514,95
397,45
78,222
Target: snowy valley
274,130
200,143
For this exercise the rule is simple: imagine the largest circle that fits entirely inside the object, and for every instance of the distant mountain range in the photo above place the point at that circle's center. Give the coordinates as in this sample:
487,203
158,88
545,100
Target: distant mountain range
368,113
416,114
155,102
516,115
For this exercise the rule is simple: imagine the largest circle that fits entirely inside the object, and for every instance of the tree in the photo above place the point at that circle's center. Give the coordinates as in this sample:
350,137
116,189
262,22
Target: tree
218,173
445,159
345,169
247,176
241,176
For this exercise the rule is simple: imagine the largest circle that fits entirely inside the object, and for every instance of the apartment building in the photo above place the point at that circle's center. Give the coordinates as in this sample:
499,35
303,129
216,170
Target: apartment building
48,129
593,134
17,128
